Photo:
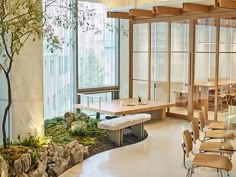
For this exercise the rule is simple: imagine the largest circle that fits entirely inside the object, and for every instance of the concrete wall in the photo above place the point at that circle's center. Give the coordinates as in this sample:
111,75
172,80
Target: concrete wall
27,91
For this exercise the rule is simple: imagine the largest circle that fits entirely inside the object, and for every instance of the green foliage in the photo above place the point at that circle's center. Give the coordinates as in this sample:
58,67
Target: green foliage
32,141
56,131
91,129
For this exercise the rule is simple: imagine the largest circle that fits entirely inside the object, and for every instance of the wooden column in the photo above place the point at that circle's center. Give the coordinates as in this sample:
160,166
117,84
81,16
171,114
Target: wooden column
130,58
149,59
217,21
169,62
191,69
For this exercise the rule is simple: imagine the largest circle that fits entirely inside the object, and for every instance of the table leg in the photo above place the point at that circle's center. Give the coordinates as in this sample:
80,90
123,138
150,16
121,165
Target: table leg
97,115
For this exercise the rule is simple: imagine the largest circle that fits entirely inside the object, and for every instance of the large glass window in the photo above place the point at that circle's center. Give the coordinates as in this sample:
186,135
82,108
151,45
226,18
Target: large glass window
179,66
96,57
205,62
140,60
159,61
97,50
58,72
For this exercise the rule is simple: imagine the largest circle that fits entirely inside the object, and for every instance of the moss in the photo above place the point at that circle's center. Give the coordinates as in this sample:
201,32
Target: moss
56,131
14,152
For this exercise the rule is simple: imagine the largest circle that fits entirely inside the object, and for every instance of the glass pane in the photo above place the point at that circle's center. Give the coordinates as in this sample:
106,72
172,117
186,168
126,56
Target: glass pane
232,67
94,98
204,86
204,67
140,37
57,73
179,96
140,88
179,67
180,36
224,66
159,91
140,66
205,35
159,67
227,35
159,37
97,53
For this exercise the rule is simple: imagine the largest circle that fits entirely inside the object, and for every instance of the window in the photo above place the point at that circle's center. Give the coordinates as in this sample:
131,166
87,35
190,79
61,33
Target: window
97,59
97,52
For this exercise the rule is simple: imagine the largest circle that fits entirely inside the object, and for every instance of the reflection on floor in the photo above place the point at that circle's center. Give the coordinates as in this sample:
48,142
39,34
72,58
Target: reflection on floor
183,110
160,155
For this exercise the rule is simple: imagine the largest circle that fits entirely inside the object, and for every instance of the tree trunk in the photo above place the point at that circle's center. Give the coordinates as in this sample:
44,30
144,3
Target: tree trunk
6,110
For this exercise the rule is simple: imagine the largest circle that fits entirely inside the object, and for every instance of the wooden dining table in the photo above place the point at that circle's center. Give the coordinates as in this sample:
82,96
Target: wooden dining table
128,106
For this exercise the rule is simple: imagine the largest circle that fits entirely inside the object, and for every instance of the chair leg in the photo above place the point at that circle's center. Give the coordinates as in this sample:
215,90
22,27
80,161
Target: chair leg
188,173
191,171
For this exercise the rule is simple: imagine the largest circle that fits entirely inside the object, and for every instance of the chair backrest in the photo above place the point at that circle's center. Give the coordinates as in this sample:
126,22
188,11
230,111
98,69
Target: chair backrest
205,112
195,130
202,120
187,142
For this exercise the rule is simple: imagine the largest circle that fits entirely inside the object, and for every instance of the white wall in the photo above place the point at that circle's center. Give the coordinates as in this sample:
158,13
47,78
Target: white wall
27,91
124,61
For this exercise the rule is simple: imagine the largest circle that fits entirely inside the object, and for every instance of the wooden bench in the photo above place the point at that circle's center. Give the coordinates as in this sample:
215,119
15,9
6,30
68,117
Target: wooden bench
115,126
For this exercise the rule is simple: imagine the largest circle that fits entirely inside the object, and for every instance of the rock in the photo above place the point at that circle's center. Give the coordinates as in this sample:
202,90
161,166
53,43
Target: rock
83,116
86,151
40,171
68,118
78,125
3,168
18,166
76,155
57,168
26,162
22,175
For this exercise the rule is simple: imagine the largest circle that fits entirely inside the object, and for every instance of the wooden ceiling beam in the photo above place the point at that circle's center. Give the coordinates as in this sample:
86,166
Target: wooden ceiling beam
228,4
140,13
191,7
162,10
121,15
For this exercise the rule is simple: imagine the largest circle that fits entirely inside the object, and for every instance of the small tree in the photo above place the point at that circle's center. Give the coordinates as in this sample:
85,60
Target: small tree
22,20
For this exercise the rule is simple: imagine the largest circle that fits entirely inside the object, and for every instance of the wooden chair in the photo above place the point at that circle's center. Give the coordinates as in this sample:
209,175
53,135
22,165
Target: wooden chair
207,146
216,161
213,125
213,134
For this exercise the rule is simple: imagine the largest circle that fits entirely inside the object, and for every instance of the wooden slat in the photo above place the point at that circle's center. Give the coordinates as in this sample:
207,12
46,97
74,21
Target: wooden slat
121,15
162,10
229,4
140,13
191,7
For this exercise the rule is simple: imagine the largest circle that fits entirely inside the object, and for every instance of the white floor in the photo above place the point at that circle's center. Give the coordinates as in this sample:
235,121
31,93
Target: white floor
160,155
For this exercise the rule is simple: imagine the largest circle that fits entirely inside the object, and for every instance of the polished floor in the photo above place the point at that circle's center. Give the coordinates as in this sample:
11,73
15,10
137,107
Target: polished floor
160,155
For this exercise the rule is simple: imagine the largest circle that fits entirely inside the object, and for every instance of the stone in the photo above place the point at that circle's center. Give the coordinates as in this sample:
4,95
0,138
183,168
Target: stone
22,175
18,166
3,167
40,170
26,162
68,118
83,116
86,151
78,125
57,168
